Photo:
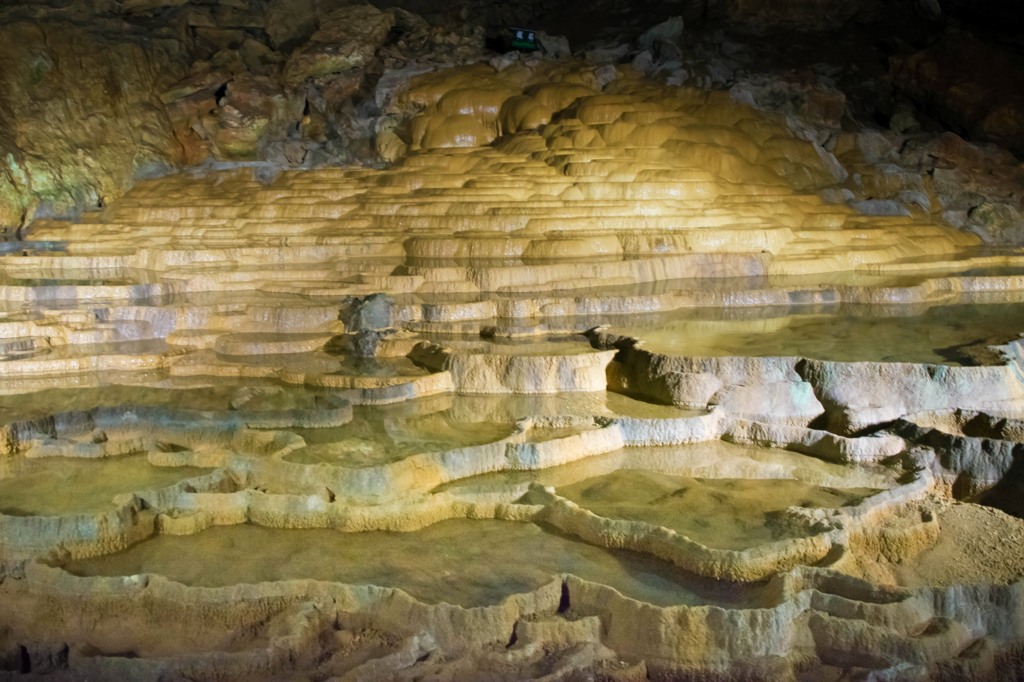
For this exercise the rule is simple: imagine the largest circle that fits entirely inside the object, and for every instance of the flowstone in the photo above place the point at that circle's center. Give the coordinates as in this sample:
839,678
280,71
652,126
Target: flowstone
594,381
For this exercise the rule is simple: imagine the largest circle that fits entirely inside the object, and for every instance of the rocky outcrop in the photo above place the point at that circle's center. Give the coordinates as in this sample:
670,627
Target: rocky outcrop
89,107
347,40
80,115
978,187
972,86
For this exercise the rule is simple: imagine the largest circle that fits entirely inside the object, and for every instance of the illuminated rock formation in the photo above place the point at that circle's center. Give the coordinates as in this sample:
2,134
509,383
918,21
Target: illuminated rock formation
602,377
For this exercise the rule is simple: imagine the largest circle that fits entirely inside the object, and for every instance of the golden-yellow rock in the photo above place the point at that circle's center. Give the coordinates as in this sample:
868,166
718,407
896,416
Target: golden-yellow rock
558,96
376,445
462,130
522,112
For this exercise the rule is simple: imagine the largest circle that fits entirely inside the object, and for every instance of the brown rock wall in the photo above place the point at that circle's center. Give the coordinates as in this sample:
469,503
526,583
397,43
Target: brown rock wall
81,115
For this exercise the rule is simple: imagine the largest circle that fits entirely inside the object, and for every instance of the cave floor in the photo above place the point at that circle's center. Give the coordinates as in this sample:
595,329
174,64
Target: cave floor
540,408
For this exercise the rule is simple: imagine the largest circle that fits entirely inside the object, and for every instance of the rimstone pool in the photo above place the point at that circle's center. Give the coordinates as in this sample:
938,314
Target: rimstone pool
568,402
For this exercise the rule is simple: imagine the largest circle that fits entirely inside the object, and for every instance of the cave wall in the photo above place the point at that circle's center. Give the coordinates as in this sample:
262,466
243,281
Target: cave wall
80,114
101,94
98,94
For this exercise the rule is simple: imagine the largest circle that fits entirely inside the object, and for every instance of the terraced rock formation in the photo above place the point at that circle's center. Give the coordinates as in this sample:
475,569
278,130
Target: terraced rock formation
597,381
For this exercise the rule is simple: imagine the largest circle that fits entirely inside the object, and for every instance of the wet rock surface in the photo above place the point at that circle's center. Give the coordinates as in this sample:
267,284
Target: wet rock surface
319,82
625,359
